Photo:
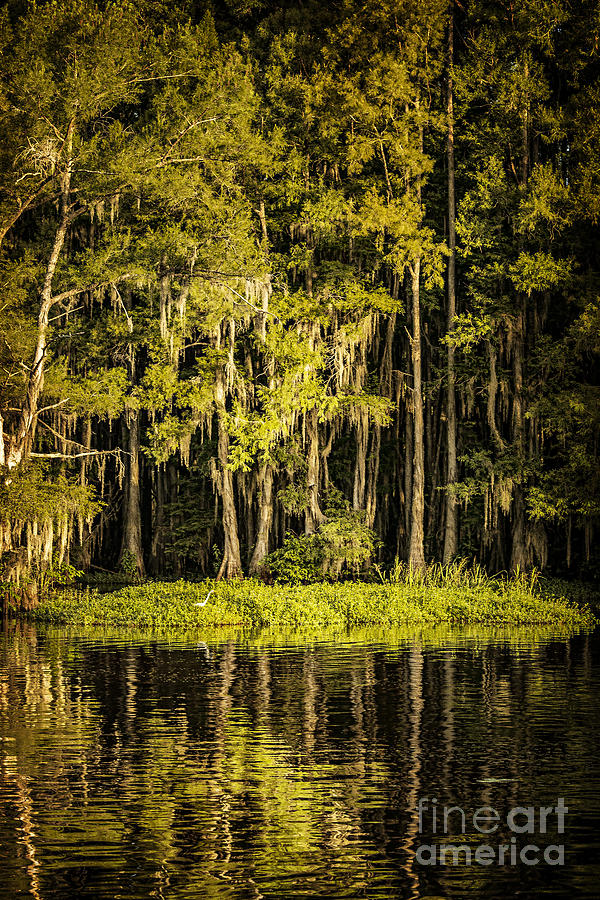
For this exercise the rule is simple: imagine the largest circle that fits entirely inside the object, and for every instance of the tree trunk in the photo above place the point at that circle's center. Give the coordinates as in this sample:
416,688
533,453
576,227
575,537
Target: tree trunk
131,543
408,474
519,553
360,470
519,558
158,520
26,424
265,518
231,566
372,477
314,516
451,527
85,531
491,398
416,555
435,513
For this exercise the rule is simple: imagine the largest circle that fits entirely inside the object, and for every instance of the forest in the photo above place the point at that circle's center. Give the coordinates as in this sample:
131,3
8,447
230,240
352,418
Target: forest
294,290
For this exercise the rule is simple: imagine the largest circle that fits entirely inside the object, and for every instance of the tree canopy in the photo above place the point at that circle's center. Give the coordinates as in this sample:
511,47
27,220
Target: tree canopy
301,289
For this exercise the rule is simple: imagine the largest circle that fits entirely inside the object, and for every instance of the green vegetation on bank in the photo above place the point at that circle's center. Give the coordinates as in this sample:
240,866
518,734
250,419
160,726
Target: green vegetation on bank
449,596
288,289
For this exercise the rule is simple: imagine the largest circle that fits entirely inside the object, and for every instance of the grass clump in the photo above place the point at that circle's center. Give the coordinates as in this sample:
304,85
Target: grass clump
454,595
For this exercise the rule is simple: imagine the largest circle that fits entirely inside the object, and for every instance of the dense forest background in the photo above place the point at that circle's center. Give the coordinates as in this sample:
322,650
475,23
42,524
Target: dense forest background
288,289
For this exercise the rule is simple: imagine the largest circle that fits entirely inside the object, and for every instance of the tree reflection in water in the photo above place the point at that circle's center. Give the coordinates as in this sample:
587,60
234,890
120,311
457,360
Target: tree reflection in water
261,765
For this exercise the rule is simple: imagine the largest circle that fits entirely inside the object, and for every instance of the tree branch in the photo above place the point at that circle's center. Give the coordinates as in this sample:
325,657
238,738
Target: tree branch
66,295
78,455
7,225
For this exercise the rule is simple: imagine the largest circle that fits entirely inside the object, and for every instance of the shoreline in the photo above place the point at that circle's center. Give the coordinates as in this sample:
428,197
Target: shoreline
252,603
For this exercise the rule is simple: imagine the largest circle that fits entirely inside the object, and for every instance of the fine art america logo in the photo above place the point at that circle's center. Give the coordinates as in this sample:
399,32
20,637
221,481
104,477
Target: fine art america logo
509,851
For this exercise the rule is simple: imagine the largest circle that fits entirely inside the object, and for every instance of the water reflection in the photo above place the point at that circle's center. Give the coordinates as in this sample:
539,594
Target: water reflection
239,765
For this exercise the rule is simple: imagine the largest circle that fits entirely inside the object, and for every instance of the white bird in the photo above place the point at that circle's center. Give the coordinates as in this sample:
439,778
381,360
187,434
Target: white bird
202,646
205,601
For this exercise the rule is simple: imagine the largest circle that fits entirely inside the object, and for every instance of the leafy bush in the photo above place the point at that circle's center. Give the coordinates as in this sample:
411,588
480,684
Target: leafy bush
128,566
297,562
342,544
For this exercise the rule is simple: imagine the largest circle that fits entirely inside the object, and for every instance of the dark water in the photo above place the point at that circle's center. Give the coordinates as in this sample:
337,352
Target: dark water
269,766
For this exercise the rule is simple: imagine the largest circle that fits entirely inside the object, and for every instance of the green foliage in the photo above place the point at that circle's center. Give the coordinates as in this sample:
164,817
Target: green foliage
316,606
30,494
299,561
55,577
188,539
128,566
342,545
234,256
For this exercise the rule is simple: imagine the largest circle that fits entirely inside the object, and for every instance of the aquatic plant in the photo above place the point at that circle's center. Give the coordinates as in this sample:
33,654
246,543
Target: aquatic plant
452,595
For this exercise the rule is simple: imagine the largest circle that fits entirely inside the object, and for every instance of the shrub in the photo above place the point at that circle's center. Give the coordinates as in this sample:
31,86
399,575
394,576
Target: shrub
342,544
